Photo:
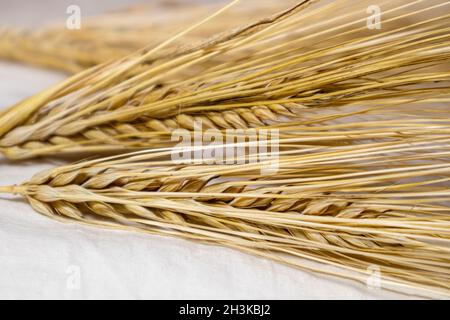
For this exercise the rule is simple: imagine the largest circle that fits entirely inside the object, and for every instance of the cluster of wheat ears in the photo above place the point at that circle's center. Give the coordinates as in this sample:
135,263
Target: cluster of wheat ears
363,120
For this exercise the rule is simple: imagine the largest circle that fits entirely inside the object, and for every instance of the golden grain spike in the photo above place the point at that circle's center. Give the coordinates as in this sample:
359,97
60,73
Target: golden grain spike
341,206
277,70
115,34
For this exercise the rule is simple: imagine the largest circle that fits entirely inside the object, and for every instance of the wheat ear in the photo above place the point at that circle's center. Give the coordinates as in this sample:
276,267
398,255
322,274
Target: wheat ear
115,34
335,204
276,64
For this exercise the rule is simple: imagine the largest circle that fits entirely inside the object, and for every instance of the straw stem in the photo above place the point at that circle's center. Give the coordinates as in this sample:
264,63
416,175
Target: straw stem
11,189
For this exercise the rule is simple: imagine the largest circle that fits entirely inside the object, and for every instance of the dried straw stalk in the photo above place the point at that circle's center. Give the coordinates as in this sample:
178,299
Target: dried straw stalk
116,34
279,69
380,202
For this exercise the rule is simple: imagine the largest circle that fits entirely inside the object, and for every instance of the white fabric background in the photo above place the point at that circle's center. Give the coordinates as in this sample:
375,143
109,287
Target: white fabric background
44,259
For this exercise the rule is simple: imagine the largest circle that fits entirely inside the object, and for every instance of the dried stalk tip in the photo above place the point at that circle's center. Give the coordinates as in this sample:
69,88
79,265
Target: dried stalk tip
7,189
12,189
